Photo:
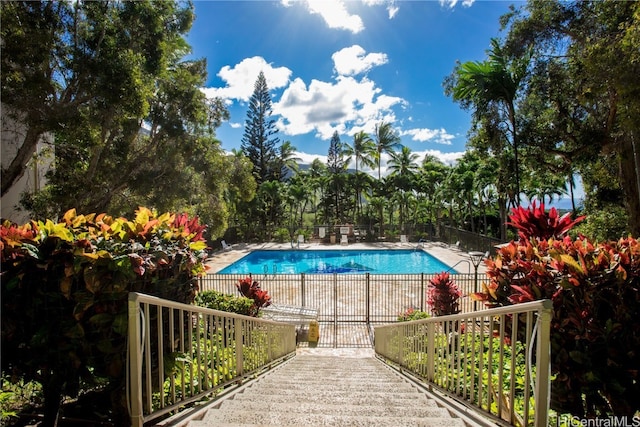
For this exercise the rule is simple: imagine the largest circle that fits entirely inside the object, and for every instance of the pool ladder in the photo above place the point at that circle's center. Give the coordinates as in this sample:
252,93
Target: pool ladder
266,269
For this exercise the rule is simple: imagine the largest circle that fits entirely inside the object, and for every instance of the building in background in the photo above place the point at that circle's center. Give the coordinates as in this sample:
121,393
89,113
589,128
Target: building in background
12,134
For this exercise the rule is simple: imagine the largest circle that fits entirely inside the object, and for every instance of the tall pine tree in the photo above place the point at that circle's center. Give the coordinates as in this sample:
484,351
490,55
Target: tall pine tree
335,157
336,167
259,142
261,216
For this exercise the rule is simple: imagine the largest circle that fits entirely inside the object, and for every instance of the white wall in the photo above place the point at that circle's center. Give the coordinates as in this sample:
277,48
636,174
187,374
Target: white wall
12,133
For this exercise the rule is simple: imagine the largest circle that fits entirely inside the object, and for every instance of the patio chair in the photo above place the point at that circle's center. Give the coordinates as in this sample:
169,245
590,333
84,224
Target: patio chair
344,240
225,246
403,238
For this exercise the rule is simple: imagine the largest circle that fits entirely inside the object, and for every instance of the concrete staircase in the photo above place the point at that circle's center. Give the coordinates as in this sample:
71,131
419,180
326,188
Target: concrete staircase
312,390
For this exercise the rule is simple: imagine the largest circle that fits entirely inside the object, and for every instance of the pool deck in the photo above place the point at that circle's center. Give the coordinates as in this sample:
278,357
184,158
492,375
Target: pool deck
447,254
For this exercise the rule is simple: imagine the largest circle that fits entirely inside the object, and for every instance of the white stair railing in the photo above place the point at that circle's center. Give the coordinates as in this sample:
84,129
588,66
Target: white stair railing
180,353
495,360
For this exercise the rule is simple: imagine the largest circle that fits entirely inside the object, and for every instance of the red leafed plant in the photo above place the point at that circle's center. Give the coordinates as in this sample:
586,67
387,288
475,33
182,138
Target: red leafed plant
189,227
251,289
595,329
535,222
443,295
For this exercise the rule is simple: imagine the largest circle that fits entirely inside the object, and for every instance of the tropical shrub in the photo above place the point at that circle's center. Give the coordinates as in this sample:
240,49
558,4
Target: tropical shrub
412,314
535,222
282,235
64,297
249,288
595,329
443,295
224,302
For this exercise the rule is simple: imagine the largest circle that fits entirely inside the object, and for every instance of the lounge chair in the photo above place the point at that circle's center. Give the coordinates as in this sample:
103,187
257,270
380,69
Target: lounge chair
225,246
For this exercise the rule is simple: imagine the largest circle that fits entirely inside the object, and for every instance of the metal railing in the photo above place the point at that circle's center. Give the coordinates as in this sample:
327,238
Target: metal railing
179,353
369,298
467,240
496,360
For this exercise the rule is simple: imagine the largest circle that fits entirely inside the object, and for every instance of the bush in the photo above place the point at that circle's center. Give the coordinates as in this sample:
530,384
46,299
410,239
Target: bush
65,287
249,288
443,295
282,235
224,302
595,329
412,314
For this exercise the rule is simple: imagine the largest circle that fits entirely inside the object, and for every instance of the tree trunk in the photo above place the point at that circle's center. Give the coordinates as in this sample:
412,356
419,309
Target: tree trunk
630,182
52,390
502,203
17,167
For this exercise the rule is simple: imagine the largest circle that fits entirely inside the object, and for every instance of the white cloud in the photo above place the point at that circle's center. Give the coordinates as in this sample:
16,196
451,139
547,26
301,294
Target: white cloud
325,107
354,60
446,158
240,79
335,15
393,10
392,7
439,136
235,125
452,3
307,159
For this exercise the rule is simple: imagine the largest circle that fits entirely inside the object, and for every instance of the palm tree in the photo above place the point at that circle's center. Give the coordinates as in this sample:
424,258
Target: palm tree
363,152
386,141
431,178
270,193
404,162
403,166
494,81
287,160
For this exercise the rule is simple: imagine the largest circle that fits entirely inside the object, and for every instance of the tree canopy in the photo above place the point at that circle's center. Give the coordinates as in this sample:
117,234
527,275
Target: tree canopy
130,123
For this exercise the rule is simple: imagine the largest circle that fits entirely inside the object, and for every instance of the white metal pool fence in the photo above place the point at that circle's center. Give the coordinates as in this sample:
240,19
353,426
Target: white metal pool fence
367,298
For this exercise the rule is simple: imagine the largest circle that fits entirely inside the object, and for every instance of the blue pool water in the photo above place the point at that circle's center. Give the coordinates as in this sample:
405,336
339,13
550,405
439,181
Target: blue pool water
336,261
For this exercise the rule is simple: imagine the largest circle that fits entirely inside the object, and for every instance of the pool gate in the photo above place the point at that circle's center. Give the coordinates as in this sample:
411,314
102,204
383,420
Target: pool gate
348,305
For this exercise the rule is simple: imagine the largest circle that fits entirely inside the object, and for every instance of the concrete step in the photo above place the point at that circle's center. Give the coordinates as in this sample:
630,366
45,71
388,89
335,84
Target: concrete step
308,390
355,398
236,419
318,407
329,391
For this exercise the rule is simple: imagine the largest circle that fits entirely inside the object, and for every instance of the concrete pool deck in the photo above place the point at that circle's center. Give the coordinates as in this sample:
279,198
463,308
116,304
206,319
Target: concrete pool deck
451,256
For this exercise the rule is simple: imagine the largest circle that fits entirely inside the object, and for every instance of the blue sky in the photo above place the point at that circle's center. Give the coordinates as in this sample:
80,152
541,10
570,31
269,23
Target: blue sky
345,66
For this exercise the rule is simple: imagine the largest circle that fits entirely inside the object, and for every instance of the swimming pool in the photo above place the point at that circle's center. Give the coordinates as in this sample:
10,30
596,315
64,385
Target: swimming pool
336,261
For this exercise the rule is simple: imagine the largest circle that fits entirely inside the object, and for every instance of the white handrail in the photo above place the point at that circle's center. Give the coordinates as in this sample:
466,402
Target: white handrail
197,348
452,352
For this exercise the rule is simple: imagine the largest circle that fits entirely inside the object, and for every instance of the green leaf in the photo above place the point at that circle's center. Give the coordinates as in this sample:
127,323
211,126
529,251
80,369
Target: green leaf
31,250
76,332
101,319
120,324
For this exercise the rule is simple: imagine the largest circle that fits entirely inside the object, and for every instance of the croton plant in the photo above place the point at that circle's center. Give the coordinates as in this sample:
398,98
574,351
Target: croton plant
65,286
595,289
250,288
